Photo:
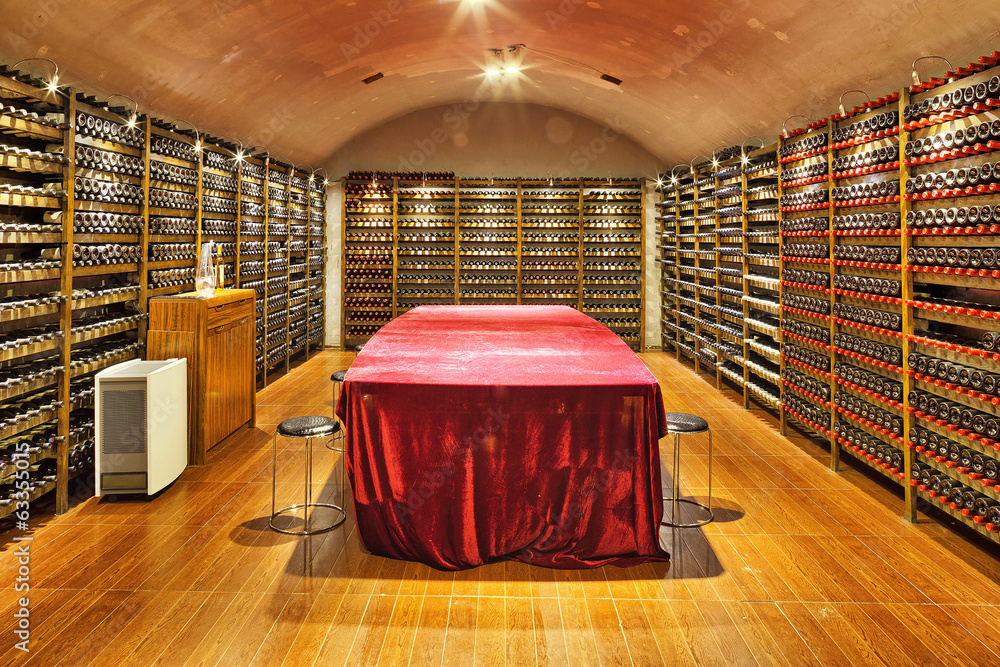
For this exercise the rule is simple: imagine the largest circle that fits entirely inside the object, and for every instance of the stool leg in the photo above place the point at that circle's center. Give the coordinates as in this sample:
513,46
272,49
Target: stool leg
677,477
343,472
274,470
709,470
308,482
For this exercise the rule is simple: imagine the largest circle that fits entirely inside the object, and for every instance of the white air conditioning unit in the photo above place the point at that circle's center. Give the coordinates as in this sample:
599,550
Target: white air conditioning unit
140,422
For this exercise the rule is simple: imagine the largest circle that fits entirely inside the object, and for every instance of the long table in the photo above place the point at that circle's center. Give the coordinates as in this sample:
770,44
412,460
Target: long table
482,433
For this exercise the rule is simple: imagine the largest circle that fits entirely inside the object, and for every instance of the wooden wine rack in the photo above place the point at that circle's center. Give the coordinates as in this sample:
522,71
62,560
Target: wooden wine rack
934,305
88,293
575,242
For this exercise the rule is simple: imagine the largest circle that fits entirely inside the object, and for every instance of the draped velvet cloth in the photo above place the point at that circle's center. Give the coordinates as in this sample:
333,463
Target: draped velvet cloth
481,433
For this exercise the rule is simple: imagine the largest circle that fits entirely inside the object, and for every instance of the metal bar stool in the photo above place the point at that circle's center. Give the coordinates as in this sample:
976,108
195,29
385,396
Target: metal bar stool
308,427
680,423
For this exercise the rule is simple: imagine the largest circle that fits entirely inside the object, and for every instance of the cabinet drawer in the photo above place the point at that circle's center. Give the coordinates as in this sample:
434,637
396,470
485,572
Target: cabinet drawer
226,313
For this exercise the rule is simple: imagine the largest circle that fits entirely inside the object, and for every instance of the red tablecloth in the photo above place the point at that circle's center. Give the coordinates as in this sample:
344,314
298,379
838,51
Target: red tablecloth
479,433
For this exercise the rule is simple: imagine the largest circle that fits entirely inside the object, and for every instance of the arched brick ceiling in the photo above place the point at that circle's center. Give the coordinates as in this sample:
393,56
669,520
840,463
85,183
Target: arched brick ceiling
287,73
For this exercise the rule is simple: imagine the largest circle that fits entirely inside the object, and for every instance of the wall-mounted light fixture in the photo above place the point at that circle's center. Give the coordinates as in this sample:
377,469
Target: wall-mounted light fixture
326,177
715,156
197,134
913,67
744,156
673,176
134,117
53,84
784,130
691,165
843,112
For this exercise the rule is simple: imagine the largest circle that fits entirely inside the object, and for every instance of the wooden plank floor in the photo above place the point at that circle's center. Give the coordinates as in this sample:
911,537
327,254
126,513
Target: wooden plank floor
803,567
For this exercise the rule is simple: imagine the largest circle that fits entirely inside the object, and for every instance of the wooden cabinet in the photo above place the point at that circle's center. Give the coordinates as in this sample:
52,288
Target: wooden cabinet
216,336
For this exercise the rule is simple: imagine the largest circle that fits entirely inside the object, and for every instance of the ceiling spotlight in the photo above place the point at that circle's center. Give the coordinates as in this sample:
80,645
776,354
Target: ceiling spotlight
611,78
373,77
913,67
511,61
493,62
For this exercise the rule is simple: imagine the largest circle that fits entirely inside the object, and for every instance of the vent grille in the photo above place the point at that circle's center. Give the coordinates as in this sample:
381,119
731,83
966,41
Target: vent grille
123,421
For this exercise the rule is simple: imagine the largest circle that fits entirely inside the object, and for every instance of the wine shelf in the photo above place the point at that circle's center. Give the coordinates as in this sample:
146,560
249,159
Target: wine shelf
852,317
101,184
424,240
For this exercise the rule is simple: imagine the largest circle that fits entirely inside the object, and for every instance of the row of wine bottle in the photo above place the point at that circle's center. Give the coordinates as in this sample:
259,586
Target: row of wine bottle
980,133
804,171
869,158
963,376
955,414
810,143
867,411
870,444
806,383
380,175
88,157
954,216
961,456
865,253
866,379
877,189
961,177
879,122
89,125
869,316
956,99
810,358
986,258
867,285
806,277
802,302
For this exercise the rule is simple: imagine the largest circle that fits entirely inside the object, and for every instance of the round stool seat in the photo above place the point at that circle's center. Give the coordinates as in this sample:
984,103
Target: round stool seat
308,426
680,422
338,376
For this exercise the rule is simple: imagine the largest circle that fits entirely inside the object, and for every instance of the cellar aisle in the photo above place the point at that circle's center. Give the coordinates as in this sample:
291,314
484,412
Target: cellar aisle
803,566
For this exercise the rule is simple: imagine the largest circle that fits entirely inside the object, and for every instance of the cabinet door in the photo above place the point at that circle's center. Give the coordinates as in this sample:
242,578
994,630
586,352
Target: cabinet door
243,386
229,374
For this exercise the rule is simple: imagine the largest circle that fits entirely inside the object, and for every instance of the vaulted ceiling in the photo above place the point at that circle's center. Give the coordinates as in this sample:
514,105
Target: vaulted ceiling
288,74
